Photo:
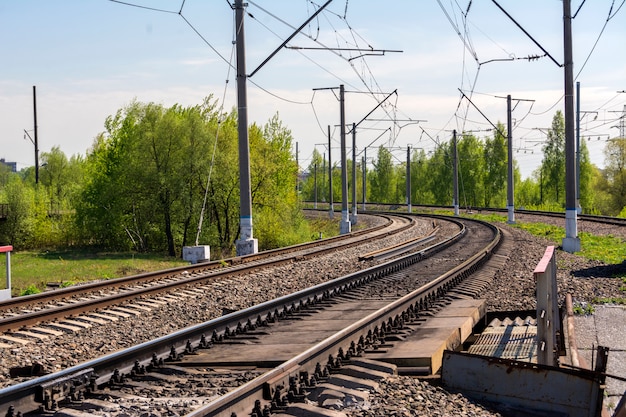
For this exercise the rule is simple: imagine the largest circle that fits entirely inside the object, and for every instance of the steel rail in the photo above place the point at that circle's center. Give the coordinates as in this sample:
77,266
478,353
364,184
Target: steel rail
240,401
16,322
48,389
617,221
193,269
400,247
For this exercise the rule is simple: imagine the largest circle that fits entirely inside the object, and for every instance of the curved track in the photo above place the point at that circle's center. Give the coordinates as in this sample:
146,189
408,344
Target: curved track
387,298
53,305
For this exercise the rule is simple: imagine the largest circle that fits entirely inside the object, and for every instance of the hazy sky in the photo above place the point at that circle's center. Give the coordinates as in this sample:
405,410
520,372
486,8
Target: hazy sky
89,58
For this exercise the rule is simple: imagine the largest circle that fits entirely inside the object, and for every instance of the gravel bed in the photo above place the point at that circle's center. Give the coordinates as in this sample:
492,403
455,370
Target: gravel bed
237,293
513,289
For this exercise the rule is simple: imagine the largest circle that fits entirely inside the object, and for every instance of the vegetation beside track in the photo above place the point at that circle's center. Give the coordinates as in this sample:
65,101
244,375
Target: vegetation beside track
610,250
34,271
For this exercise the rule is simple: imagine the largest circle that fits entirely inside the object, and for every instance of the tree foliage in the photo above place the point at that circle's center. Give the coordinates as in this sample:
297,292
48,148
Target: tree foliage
147,177
615,174
553,164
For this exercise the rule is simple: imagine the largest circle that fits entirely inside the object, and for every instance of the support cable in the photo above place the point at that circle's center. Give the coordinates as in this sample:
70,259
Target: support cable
219,124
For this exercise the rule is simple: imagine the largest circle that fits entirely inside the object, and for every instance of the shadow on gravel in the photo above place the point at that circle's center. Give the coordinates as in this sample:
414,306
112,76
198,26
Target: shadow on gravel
602,271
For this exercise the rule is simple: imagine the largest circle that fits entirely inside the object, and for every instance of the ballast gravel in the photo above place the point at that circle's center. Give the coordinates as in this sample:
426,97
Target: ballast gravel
512,289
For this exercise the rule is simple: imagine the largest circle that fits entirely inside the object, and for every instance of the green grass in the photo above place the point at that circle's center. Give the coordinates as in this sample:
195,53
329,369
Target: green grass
608,249
32,271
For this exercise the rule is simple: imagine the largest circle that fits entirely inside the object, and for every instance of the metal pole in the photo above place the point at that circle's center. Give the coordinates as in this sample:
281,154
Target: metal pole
353,218
323,178
315,185
364,179
246,244
331,209
578,207
344,226
408,177
571,242
36,138
510,182
455,175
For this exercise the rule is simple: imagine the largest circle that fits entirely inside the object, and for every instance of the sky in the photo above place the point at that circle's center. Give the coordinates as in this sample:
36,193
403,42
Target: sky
90,58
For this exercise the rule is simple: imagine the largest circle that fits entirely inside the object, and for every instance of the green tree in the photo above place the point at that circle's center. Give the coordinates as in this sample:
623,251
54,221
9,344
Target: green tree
496,168
420,191
586,176
553,163
16,230
471,170
273,175
147,177
440,169
615,173
315,173
383,178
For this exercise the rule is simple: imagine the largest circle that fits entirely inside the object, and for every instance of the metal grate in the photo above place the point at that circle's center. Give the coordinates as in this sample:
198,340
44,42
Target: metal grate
509,339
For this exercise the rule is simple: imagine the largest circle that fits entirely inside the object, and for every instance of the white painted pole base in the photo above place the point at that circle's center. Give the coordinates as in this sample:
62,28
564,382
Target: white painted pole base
456,210
345,226
571,242
247,246
354,216
511,211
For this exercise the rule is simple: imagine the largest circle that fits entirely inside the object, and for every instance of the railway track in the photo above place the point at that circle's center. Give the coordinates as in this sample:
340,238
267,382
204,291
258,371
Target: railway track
593,218
19,312
192,367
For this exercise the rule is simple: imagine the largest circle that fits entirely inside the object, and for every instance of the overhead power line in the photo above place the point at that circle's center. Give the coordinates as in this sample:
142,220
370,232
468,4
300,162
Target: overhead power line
527,34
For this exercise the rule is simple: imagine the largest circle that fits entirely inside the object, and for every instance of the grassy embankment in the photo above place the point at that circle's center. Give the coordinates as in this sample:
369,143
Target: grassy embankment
32,271
609,249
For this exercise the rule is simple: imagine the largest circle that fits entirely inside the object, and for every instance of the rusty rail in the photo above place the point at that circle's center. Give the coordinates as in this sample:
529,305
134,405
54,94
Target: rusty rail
27,396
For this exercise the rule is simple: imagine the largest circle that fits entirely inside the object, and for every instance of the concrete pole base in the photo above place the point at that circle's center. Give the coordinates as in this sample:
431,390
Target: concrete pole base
247,246
511,212
571,244
345,227
195,254
353,218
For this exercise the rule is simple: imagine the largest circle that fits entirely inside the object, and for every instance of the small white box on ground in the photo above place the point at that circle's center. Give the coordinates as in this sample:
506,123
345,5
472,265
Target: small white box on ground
195,254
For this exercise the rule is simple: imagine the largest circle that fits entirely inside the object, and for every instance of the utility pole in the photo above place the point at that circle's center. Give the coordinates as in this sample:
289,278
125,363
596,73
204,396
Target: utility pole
455,175
323,177
408,177
509,189
353,218
246,244
571,242
578,207
315,185
36,138
363,164
344,225
331,208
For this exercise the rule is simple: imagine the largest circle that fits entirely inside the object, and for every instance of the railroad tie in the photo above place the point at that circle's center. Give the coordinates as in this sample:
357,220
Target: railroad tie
104,316
31,335
12,339
46,330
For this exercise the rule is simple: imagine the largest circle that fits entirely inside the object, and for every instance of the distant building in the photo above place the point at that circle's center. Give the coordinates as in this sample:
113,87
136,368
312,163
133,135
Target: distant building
12,165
